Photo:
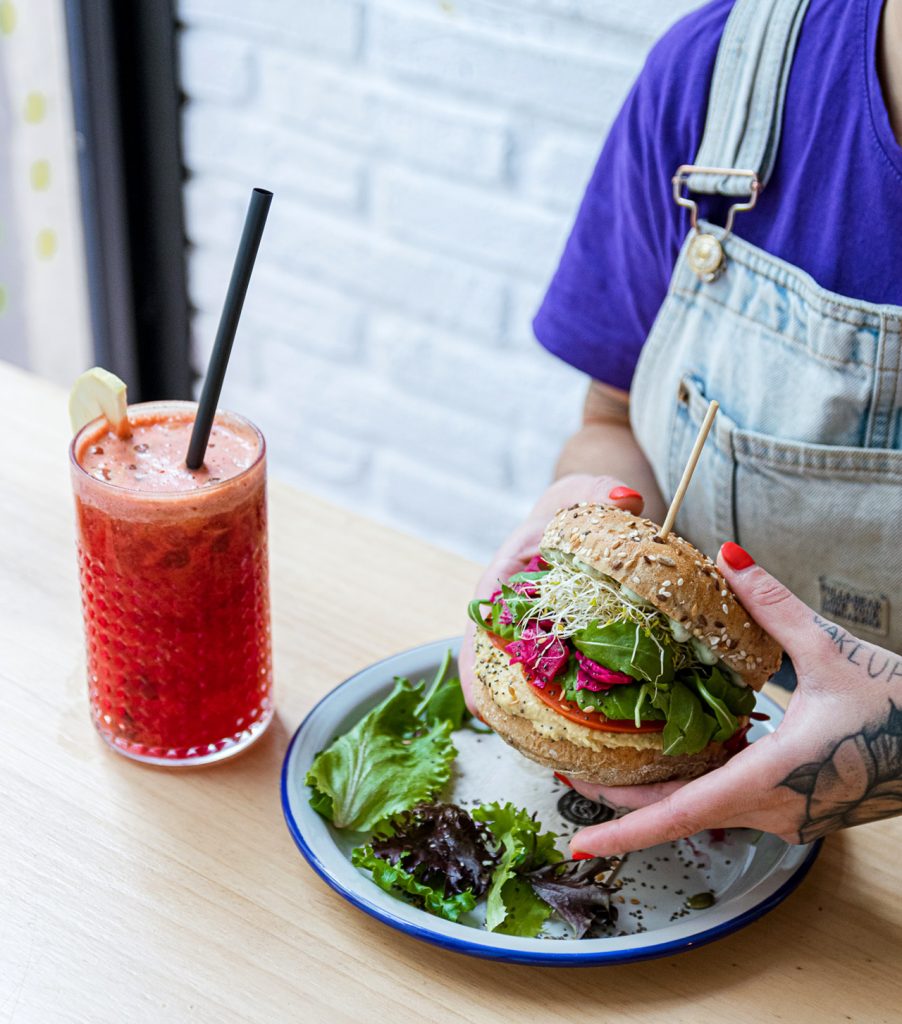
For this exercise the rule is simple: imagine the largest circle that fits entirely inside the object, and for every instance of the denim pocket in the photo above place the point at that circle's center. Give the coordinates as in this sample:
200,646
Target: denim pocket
824,519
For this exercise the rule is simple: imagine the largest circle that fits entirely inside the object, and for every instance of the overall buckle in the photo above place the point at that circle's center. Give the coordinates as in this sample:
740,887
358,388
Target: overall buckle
706,255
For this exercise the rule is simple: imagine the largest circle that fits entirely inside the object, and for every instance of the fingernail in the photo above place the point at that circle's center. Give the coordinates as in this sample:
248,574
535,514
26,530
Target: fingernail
736,557
563,779
623,493
579,855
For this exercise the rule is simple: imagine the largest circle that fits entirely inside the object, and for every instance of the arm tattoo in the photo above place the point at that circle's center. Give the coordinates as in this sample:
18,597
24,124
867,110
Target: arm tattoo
859,780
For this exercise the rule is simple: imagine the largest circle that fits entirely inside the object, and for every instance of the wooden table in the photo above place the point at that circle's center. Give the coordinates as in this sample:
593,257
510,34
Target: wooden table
133,894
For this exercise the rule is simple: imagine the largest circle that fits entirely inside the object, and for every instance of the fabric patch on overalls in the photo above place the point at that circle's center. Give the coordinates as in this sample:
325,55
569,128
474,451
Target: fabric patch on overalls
854,607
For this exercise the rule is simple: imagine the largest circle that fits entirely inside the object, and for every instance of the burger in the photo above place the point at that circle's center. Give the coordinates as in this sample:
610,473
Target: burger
619,657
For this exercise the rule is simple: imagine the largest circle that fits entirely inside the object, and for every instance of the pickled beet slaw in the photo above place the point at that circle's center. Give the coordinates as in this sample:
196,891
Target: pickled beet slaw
544,655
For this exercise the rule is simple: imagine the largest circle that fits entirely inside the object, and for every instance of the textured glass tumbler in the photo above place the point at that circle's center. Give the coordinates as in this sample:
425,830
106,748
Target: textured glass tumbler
175,596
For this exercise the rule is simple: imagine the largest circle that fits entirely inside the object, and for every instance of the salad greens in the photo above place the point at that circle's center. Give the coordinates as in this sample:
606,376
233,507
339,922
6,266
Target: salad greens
379,778
395,880
572,889
443,860
442,845
396,756
512,906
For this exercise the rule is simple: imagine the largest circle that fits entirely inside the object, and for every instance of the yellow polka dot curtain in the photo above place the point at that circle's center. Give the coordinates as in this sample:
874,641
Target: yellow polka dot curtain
44,323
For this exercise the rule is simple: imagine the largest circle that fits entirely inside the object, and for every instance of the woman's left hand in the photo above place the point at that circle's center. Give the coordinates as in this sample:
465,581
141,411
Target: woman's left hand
834,761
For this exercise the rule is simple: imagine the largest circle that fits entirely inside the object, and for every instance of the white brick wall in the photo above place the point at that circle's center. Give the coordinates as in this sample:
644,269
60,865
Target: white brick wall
427,157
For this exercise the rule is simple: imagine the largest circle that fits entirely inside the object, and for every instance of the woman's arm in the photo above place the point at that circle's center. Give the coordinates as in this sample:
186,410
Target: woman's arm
605,445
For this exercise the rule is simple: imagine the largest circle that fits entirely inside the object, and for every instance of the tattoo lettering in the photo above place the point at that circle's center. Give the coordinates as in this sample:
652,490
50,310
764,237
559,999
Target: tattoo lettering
879,664
859,780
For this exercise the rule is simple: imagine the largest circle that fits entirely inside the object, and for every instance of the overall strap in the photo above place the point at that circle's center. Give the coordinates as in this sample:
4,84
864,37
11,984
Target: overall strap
745,104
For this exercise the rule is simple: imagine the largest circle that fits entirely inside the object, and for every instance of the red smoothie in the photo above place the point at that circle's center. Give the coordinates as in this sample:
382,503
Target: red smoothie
174,579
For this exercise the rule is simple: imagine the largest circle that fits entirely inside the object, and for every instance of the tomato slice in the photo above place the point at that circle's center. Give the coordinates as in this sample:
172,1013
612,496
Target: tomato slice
552,693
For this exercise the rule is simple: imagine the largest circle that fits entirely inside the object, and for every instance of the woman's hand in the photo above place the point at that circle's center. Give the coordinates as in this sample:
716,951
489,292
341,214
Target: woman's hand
523,544
834,761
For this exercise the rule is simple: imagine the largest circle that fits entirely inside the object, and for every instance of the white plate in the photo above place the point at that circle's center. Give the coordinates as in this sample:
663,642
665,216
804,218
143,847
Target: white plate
748,872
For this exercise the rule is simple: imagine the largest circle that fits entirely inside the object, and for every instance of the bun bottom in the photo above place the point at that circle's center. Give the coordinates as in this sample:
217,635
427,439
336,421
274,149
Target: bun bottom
619,764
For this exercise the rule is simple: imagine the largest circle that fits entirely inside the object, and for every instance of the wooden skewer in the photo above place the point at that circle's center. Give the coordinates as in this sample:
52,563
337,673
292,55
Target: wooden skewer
688,471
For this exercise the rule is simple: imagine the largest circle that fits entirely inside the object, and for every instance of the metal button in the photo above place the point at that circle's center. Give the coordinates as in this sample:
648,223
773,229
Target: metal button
706,257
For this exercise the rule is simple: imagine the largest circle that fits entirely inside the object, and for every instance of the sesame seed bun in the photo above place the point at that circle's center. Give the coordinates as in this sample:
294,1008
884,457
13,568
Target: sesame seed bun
673,575
506,702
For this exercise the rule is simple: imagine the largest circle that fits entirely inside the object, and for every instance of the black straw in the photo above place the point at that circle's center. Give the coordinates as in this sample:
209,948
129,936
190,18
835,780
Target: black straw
254,223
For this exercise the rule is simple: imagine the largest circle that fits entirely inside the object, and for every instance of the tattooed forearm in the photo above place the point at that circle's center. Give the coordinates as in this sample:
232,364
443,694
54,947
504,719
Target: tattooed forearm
859,780
877,663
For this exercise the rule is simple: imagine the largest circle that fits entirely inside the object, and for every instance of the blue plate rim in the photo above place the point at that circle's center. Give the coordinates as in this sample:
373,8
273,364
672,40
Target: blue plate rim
591,958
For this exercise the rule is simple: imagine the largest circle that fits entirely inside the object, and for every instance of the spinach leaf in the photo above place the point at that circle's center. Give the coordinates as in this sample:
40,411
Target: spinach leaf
726,721
622,702
518,605
738,699
687,729
474,611
626,647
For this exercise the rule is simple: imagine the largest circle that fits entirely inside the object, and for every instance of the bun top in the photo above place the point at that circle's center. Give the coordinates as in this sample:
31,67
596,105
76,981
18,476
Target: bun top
674,576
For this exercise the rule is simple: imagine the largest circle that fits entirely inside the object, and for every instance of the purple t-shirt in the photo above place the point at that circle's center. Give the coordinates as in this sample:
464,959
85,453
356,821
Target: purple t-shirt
833,206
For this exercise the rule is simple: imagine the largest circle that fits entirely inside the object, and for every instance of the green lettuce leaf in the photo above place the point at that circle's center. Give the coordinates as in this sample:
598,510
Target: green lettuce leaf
390,761
511,905
524,911
626,647
400,883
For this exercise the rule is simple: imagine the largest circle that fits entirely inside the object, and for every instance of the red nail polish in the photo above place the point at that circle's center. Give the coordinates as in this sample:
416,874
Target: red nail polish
563,779
579,855
735,556
622,493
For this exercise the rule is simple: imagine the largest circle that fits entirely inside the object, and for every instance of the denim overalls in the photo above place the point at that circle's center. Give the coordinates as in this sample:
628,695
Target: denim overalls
803,466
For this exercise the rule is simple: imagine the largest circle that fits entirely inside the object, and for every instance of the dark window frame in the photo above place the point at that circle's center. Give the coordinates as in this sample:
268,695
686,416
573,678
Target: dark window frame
126,102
